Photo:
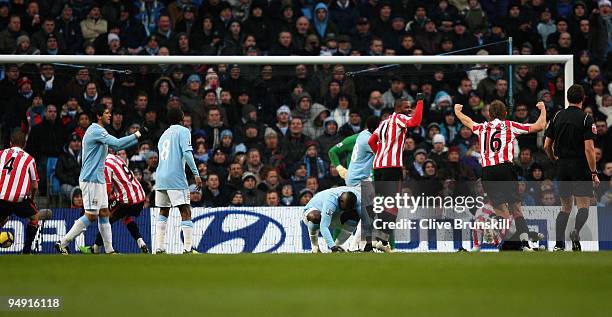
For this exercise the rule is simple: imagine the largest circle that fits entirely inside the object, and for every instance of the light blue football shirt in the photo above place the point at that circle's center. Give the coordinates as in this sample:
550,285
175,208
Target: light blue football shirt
362,160
95,148
174,151
327,203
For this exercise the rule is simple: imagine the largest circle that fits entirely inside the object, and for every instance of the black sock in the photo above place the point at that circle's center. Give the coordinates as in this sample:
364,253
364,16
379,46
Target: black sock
581,218
561,224
99,241
31,231
133,229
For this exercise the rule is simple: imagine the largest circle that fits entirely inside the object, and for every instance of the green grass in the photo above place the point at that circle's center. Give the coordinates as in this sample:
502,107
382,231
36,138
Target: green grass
509,284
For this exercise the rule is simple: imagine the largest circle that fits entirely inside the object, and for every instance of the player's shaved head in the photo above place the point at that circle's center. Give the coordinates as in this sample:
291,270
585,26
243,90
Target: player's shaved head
348,201
314,216
175,116
372,123
18,139
497,110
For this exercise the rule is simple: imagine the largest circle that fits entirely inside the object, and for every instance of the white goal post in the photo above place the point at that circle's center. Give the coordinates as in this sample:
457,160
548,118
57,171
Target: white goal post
566,60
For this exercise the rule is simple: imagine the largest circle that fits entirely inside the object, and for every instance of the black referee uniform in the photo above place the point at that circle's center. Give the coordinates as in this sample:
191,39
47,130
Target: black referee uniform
569,129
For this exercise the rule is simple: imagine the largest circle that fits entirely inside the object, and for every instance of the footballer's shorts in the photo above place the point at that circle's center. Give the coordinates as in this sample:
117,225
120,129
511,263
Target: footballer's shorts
24,209
171,198
94,197
500,182
574,176
120,210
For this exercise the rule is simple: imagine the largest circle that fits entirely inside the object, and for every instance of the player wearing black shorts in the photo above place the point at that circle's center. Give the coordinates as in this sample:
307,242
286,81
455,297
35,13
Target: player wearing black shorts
570,143
500,181
25,209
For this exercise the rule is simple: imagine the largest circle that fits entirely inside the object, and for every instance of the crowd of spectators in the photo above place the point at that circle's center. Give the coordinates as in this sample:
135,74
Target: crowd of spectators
261,133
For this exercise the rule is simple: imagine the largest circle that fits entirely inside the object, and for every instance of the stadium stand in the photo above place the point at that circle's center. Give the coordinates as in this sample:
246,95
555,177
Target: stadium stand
247,114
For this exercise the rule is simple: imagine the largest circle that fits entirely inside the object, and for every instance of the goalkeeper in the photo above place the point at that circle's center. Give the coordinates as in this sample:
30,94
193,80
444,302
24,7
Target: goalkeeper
359,155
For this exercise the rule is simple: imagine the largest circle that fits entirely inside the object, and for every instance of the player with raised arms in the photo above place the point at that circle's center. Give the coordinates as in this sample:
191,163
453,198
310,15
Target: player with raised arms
500,181
338,207
19,181
92,181
387,142
126,200
171,187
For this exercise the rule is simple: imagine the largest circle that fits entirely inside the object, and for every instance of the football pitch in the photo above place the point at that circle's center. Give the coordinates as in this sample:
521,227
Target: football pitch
331,285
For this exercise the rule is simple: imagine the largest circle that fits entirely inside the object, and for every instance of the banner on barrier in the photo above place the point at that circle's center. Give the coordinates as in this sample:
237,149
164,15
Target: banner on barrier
270,229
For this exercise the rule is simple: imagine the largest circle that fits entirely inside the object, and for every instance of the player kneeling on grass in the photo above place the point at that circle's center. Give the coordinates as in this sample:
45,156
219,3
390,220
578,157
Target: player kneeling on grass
126,201
19,185
171,188
338,207
92,181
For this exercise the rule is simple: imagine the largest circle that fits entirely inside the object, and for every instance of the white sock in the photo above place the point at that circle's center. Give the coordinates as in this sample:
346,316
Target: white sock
187,228
160,233
96,248
140,242
77,228
107,234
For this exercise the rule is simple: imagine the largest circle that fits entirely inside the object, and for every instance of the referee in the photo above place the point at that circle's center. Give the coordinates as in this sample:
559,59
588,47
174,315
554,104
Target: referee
570,142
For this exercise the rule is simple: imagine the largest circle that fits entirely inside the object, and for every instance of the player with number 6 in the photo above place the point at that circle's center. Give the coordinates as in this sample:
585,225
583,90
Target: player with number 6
497,140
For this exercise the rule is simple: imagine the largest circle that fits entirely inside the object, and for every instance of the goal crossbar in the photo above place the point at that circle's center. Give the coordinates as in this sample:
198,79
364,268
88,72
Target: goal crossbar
566,60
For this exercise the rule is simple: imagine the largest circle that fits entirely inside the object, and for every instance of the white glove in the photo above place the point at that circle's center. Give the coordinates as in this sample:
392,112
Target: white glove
138,134
341,171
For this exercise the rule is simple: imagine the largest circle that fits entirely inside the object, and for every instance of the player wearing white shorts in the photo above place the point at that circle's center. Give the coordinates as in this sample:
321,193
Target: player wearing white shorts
171,188
92,181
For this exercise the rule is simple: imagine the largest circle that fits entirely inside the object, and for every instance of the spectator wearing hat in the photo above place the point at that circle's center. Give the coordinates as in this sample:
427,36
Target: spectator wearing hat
151,163
274,152
36,112
454,168
191,97
315,165
152,128
213,193
259,26
93,25
8,37
362,35
601,31
322,24
398,26
69,29
218,163
234,37
415,170
462,38
439,151
314,126
51,46
195,197
251,195
444,11
24,46
177,10
69,165
330,136
236,83
68,114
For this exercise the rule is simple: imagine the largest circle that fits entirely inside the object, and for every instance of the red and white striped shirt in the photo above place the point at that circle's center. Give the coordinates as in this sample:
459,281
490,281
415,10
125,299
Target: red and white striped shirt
497,140
120,179
18,171
387,141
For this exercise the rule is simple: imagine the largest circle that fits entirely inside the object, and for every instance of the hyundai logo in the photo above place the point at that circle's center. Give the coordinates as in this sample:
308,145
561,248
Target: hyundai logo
252,234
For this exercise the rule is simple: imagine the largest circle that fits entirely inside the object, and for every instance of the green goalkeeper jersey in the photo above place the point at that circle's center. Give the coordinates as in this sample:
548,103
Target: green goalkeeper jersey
343,148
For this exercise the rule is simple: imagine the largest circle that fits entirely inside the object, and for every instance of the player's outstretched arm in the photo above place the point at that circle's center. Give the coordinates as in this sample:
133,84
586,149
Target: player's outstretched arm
326,217
540,124
120,144
417,117
465,120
